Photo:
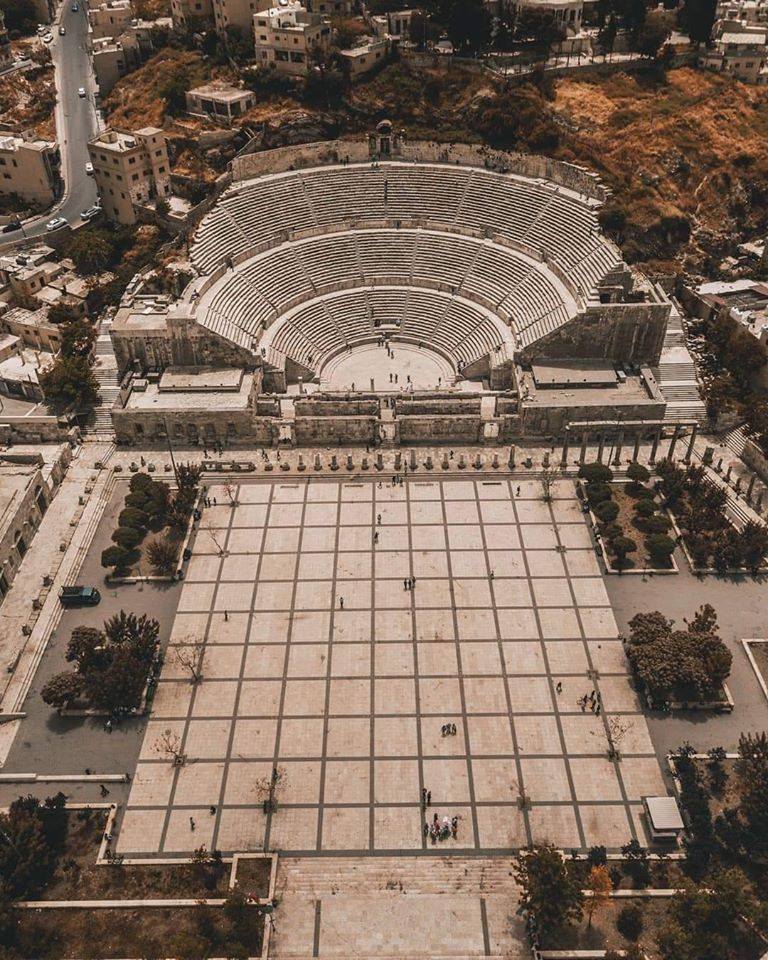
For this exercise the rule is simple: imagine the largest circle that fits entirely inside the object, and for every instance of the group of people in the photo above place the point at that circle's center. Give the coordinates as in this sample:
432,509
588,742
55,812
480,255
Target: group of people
593,699
441,829
409,583
448,730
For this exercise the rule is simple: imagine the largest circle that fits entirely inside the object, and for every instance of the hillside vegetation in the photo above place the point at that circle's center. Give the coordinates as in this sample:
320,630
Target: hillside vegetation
684,151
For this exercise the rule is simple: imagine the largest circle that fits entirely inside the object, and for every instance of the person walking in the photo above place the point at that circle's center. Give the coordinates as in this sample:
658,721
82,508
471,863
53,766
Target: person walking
192,824
429,800
559,686
341,603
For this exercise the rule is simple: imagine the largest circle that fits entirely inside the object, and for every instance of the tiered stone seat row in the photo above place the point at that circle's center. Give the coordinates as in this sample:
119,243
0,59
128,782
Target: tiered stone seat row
259,290
268,210
458,328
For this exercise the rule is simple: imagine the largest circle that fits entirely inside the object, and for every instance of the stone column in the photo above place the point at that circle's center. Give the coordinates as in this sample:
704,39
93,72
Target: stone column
689,451
636,451
601,447
583,452
751,487
673,442
619,443
564,458
655,447
511,461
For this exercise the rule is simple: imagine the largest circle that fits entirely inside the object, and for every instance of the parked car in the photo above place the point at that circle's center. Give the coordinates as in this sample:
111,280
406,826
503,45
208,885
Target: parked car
56,224
79,596
11,226
74,8
89,168
62,30
81,92
47,37
91,212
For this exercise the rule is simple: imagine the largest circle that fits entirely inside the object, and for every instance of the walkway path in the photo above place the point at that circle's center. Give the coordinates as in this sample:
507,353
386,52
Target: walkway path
70,520
387,907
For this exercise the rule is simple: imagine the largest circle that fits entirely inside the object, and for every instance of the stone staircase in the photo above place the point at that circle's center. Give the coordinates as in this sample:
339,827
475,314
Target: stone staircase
105,370
318,877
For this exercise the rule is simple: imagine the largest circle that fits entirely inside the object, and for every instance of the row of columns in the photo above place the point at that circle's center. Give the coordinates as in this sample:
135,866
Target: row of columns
618,447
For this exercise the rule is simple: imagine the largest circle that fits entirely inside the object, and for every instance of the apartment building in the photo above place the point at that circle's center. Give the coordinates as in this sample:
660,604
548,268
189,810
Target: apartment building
6,53
131,169
287,37
219,100
234,13
30,168
109,19
190,14
741,52
358,61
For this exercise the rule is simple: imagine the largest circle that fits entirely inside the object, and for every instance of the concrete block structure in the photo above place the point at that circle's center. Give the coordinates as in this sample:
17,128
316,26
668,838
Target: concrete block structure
382,291
191,14
369,56
30,168
287,37
739,51
220,101
130,169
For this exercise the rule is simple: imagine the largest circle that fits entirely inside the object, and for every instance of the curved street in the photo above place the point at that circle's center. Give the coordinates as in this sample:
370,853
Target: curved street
76,121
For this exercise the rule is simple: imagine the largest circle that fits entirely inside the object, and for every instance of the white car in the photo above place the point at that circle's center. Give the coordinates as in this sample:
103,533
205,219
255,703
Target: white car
91,212
56,224
89,168
62,31
81,92
74,8
48,38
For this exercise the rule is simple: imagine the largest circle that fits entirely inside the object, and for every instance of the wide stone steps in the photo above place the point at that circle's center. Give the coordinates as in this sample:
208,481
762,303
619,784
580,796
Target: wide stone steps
318,877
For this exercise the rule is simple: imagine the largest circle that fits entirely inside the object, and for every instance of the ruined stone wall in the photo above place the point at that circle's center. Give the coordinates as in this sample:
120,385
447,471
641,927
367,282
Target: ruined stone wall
318,431
621,333
330,152
540,421
440,429
182,343
36,430
233,427
444,407
336,408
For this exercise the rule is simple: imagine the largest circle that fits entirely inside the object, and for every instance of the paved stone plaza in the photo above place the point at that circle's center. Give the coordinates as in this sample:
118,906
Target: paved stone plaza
508,608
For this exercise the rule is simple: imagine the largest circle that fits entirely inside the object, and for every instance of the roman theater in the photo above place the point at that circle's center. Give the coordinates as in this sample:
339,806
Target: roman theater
382,291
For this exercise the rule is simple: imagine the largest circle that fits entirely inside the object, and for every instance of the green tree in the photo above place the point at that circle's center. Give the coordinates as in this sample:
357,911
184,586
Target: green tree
69,383
61,689
162,555
696,18
117,557
621,547
174,91
77,338
91,250
660,548
20,16
654,32
468,25
63,313
28,851
548,891
595,473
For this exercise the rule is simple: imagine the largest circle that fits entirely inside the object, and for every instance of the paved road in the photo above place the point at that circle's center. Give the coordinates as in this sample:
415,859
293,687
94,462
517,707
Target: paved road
76,121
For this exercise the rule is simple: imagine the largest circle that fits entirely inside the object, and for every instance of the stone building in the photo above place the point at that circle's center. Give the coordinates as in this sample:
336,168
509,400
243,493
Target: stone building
28,483
130,169
30,168
386,291
220,101
286,37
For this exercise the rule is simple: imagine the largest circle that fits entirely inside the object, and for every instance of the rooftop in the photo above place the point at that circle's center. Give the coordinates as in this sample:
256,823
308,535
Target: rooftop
198,379
152,399
223,92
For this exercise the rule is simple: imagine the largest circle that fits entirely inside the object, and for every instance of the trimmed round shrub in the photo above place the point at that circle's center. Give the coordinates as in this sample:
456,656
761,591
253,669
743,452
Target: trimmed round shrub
138,500
660,547
645,508
658,523
114,557
629,922
607,511
595,473
140,481
638,473
642,493
131,517
597,492
126,537
612,530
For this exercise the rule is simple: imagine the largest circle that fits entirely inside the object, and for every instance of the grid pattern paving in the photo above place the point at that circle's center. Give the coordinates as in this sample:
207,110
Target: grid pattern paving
507,626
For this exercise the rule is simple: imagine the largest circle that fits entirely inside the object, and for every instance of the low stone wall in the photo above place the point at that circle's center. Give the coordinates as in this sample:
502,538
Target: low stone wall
330,152
754,457
442,407
316,431
37,430
436,429
336,408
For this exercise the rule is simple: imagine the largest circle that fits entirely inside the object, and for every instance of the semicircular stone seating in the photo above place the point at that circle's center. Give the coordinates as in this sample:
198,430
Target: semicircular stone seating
273,212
